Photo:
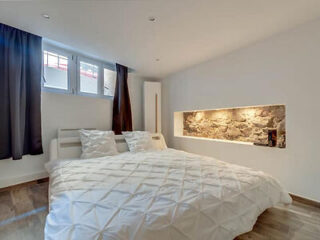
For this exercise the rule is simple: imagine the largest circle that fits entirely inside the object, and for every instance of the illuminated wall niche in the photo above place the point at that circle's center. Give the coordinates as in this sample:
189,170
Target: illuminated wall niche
260,125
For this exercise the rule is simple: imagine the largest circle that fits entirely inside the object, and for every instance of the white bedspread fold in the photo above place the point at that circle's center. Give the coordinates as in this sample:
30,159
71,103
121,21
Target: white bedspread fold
160,195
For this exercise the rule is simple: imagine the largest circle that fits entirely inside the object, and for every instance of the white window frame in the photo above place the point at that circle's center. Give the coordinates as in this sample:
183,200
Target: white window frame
50,48
74,72
99,80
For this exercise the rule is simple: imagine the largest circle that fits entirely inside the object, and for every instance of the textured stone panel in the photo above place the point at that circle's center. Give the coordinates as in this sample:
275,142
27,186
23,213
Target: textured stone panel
247,124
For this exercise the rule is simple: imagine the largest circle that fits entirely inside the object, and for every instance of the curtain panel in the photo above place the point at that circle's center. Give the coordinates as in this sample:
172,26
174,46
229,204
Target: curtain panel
122,118
20,93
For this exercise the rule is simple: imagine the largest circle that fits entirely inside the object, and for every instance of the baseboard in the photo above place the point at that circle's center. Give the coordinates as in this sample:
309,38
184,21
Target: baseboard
304,200
18,180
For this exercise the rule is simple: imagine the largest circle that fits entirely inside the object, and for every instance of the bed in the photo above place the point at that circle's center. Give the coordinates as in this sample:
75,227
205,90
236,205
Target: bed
168,194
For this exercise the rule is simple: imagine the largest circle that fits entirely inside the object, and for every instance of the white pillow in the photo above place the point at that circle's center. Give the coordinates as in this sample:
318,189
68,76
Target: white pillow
139,141
160,143
97,143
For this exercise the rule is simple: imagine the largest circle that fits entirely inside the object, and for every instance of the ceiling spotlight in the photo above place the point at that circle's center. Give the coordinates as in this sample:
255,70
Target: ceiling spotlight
151,19
46,16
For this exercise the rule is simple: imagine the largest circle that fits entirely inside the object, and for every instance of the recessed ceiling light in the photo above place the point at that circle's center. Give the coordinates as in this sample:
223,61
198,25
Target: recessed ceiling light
46,16
151,19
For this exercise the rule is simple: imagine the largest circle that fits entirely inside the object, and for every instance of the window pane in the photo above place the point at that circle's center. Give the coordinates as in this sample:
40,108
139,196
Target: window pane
63,63
88,78
109,82
54,75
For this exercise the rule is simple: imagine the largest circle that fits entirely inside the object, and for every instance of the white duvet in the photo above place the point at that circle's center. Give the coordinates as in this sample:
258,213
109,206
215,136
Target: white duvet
160,195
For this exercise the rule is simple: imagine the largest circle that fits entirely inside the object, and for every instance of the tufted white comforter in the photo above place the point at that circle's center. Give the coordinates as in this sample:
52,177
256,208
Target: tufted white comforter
160,195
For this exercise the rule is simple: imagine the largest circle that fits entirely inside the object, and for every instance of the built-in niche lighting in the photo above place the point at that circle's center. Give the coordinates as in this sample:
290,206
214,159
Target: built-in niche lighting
259,125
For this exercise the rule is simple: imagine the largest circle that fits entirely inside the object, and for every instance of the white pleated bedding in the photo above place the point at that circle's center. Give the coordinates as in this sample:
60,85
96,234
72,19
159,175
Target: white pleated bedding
160,195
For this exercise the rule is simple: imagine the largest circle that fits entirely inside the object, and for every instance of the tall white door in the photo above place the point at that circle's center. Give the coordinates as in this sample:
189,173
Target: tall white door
152,107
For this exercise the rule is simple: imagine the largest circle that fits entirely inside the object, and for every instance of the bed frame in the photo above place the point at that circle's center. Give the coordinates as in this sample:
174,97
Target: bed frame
68,145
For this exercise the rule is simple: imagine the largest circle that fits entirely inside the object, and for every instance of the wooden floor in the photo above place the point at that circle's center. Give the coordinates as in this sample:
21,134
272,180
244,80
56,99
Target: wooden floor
23,210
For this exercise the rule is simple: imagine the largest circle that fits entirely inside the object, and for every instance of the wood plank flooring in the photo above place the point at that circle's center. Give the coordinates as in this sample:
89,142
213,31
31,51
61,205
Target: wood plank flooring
297,221
23,210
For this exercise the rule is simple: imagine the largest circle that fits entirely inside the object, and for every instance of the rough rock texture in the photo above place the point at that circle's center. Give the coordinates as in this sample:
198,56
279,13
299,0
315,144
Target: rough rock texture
248,124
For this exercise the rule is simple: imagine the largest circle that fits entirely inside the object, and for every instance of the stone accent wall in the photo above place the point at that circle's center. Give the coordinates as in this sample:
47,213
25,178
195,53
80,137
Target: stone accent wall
247,124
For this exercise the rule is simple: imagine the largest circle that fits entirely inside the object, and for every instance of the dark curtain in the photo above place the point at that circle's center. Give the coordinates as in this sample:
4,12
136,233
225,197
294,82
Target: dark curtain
20,89
122,119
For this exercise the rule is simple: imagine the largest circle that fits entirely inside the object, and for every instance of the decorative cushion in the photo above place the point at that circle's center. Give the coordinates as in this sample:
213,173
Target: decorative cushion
97,143
139,141
160,143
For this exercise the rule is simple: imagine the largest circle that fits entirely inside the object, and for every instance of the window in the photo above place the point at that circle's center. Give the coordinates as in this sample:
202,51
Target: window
109,83
67,72
55,70
88,78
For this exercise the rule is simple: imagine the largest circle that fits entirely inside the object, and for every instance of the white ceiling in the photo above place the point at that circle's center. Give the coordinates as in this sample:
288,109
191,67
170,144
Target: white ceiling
186,32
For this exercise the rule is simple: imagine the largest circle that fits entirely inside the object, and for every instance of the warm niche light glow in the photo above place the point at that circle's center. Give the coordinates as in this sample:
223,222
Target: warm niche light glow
261,125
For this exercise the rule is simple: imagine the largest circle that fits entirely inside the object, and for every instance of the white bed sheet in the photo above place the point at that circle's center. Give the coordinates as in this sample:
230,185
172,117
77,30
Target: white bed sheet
160,195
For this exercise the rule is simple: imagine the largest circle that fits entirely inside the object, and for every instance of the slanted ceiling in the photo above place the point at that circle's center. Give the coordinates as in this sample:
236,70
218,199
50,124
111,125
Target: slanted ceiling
185,32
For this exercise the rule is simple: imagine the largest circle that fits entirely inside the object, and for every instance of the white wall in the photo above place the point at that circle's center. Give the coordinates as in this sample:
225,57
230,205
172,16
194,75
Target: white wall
67,111
284,69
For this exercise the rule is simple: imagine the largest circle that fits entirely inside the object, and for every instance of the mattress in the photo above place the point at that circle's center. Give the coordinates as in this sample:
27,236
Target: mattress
156,195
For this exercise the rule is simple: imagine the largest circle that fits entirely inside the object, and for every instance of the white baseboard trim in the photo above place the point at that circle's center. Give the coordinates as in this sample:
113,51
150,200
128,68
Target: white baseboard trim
27,178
